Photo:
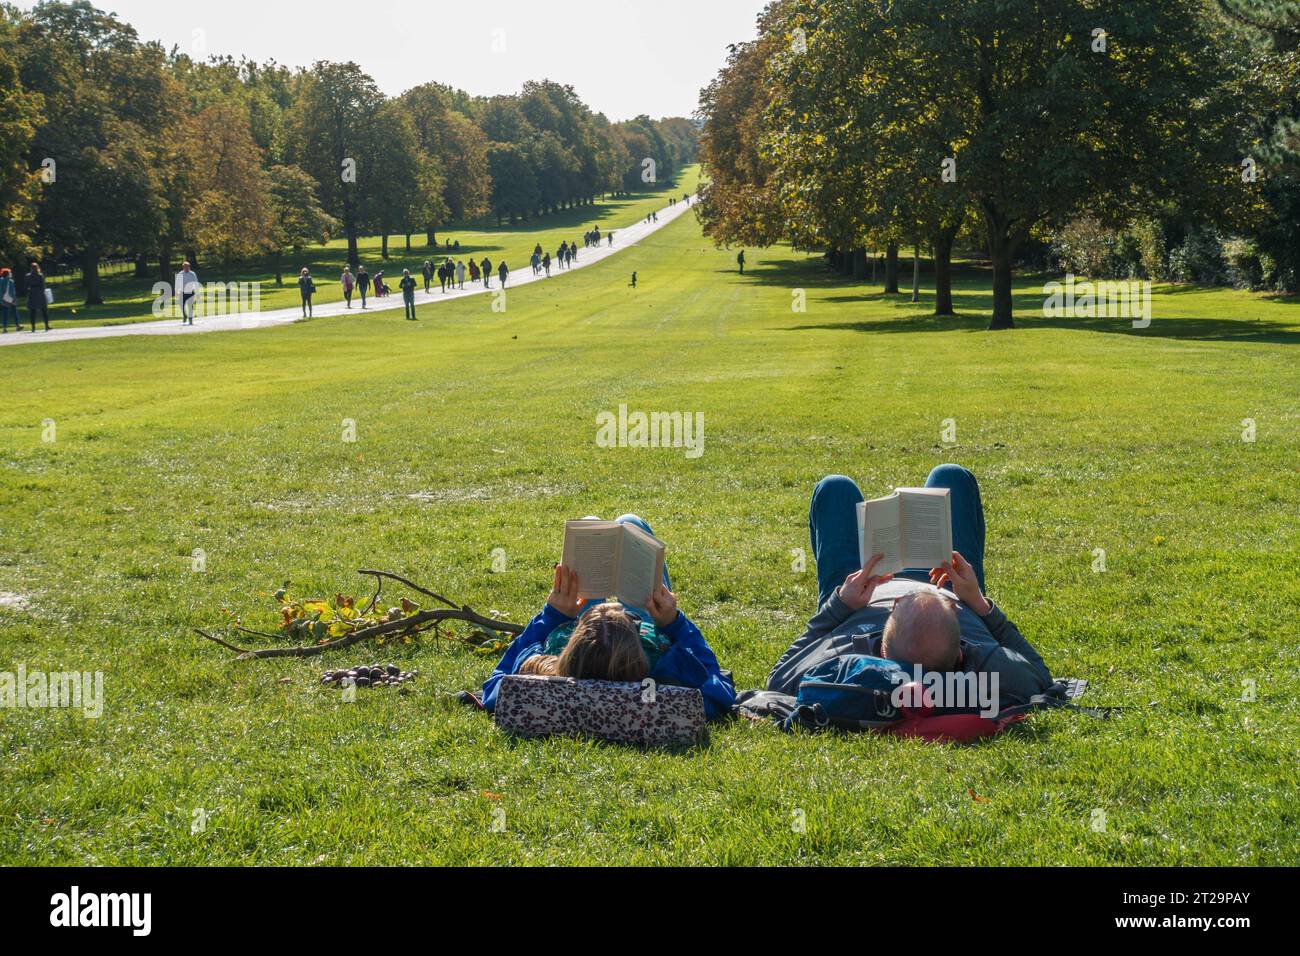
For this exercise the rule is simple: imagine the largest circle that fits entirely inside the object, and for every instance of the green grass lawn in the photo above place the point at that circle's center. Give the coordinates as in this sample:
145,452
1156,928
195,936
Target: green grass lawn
127,299
476,431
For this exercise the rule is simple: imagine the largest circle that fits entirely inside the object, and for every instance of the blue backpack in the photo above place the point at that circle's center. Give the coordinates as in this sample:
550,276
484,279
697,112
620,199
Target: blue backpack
853,691
856,692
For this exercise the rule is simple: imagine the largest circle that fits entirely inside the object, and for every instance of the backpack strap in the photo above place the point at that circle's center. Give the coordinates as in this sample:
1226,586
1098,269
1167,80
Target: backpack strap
1049,702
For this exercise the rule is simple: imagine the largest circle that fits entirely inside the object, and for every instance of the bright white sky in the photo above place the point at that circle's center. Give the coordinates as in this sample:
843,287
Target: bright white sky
624,57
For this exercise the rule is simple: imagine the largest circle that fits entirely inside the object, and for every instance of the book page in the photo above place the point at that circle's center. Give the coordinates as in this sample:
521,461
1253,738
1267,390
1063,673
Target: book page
591,549
927,526
641,566
880,532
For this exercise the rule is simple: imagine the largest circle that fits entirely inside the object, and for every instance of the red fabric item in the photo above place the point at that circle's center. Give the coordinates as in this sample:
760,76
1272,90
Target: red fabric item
950,728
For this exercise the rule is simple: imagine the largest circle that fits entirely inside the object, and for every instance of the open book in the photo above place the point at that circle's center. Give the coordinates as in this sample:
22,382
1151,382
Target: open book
613,560
912,528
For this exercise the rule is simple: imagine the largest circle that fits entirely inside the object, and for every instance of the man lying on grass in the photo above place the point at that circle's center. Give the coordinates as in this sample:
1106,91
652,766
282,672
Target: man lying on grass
603,640
937,619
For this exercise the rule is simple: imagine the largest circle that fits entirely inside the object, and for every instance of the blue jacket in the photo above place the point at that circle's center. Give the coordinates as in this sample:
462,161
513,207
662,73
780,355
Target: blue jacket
688,662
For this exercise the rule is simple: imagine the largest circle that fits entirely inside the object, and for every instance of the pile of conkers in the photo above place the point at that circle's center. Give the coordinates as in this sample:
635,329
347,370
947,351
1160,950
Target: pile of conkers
374,675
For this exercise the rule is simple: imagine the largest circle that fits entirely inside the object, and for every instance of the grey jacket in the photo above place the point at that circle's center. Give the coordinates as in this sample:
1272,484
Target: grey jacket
989,644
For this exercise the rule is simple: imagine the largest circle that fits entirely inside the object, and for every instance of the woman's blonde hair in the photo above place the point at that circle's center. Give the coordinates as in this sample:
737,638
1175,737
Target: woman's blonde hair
605,645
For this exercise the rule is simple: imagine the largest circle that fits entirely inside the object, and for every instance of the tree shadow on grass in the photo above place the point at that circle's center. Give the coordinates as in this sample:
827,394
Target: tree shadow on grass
974,308
1186,329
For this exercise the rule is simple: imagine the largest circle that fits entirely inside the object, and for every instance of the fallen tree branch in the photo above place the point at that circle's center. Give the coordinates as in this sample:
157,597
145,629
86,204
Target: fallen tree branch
414,587
404,626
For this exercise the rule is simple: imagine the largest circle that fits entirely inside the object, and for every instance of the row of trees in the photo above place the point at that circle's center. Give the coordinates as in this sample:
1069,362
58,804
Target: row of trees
855,124
114,146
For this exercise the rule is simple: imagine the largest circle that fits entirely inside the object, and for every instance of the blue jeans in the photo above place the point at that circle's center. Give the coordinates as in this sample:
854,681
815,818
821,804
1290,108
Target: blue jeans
833,527
639,611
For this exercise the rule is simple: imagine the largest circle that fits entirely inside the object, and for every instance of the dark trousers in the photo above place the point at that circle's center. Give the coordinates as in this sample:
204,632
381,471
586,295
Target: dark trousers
409,299
833,527
43,311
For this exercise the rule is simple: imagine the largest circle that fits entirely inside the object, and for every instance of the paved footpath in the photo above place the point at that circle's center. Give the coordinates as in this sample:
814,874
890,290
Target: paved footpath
520,274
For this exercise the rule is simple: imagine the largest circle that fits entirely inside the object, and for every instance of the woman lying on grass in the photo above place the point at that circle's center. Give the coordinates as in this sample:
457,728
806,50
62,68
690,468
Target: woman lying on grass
607,641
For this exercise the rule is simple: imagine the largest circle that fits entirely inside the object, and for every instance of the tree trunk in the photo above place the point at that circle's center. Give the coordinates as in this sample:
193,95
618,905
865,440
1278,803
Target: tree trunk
141,266
165,264
943,241
891,268
383,245
859,263
279,267
408,243
90,276
1002,247
431,237
916,272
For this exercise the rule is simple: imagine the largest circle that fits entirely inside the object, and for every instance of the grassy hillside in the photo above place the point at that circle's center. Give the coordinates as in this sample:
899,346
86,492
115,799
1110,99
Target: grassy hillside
476,431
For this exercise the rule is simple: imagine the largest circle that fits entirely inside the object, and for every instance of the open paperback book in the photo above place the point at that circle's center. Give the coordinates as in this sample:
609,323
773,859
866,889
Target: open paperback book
912,528
613,560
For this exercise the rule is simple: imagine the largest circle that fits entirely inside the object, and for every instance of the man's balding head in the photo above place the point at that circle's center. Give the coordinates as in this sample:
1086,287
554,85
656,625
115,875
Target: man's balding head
923,630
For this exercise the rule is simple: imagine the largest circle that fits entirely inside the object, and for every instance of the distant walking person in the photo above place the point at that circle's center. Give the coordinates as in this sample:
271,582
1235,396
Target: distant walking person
38,297
9,300
363,284
611,240
473,271
740,261
546,264
427,272
408,292
187,287
486,265
460,274
442,276
306,288
349,283
502,271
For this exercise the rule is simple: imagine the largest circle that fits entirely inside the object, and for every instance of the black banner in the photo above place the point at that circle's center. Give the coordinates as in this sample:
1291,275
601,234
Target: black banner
963,905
